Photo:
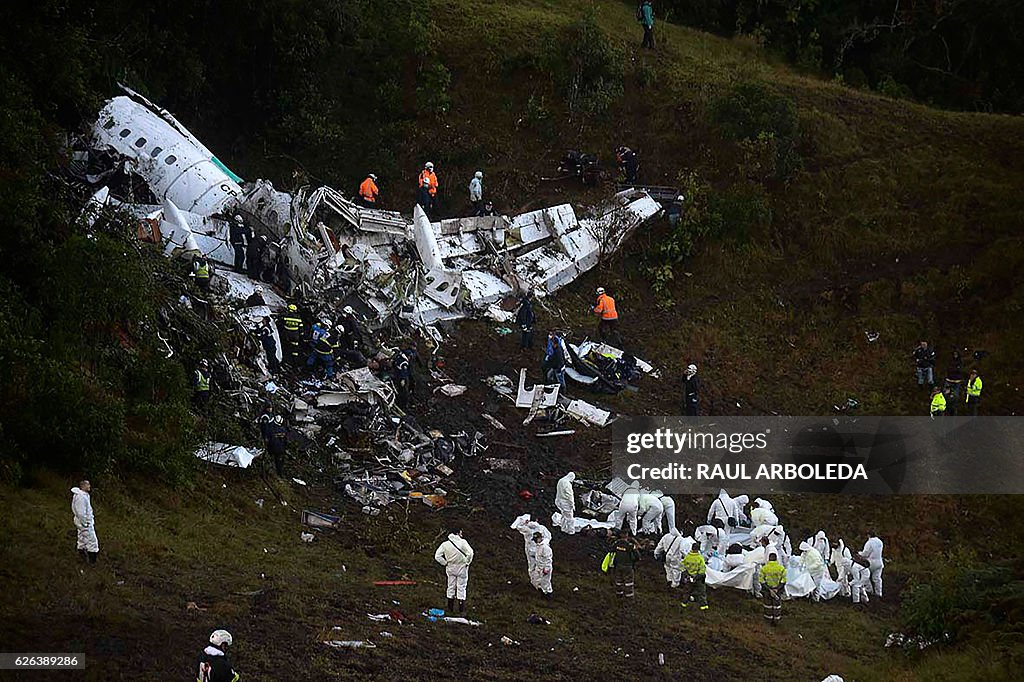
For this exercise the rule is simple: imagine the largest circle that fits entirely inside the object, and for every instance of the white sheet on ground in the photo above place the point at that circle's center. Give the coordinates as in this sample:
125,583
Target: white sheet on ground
228,455
799,582
741,577
580,523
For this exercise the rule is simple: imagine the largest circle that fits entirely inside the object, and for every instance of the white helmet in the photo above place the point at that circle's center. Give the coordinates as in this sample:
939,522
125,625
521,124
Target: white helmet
426,182
327,323
600,290
428,165
220,637
478,174
691,368
348,310
373,177
238,219
278,419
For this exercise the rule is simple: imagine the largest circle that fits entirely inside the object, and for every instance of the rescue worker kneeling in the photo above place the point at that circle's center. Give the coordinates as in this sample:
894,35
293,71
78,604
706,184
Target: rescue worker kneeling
773,582
693,584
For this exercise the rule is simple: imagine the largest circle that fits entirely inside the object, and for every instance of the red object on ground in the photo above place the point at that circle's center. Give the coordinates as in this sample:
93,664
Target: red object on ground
526,494
388,583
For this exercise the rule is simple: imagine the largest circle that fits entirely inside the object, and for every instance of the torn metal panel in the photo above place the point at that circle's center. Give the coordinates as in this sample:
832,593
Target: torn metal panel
443,286
547,395
588,413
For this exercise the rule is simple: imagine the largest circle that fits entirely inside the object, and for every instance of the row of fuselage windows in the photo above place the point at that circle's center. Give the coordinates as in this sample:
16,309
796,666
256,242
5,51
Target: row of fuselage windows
141,143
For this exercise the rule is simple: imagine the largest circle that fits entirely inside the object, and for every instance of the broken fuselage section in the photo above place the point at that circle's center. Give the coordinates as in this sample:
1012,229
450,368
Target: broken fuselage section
396,266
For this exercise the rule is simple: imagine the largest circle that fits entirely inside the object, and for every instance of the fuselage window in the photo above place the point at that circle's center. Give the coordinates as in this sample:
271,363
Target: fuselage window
171,158
125,132
140,143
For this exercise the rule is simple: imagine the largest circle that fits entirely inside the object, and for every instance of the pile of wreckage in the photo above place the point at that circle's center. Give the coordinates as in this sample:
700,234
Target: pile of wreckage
395,272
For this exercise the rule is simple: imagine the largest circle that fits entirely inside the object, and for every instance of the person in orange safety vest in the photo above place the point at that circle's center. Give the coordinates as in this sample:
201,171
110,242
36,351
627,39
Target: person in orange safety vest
428,181
368,191
608,318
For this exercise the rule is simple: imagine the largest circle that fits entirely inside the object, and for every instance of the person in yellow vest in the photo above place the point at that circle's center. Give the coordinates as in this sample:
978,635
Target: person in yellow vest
607,316
201,384
773,581
973,392
368,191
291,335
938,407
693,583
202,269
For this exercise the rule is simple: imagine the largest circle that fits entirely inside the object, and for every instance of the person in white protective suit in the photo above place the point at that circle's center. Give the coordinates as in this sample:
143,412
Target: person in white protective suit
714,539
821,543
740,502
842,560
651,510
543,565
673,546
763,514
860,581
629,506
669,505
723,507
815,565
528,528
565,502
873,553
601,502
455,555
81,506
780,539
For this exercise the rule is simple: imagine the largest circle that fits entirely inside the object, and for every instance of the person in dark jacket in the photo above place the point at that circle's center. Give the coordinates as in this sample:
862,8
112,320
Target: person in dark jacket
240,235
691,392
554,360
402,377
526,318
924,363
214,665
276,441
254,256
626,553
629,163
269,343
954,383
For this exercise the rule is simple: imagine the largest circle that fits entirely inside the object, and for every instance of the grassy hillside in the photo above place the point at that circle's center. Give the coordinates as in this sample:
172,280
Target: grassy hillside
868,214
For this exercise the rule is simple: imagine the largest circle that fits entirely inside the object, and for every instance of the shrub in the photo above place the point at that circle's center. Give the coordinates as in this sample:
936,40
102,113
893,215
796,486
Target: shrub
759,119
589,67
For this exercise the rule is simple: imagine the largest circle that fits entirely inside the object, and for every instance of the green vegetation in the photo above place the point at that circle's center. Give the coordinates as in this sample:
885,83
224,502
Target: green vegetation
814,212
959,54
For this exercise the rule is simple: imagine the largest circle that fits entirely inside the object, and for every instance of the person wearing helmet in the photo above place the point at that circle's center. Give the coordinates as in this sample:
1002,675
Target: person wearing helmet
691,391
423,194
489,209
276,442
324,341
291,328
368,191
239,235
608,317
629,163
428,183
476,193
201,385
214,665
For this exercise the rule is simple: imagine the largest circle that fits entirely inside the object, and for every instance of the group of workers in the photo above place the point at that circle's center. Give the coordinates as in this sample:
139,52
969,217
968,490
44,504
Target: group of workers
688,559
946,400
427,187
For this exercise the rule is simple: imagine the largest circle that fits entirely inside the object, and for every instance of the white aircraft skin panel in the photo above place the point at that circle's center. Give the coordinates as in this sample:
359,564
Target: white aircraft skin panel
171,164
